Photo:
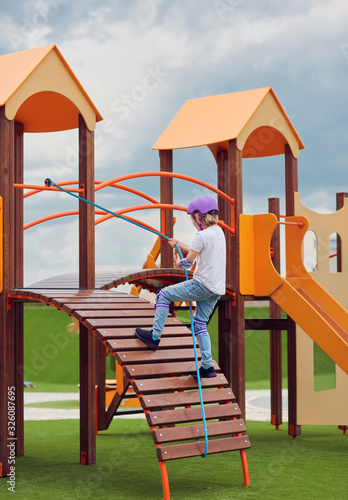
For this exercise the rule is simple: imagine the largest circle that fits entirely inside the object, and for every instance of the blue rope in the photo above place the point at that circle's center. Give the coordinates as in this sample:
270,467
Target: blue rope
49,183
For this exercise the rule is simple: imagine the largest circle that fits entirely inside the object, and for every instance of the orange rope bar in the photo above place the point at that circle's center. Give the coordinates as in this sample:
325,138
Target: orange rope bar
165,174
76,212
55,216
65,183
119,212
176,176
69,183
299,224
45,188
131,190
158,205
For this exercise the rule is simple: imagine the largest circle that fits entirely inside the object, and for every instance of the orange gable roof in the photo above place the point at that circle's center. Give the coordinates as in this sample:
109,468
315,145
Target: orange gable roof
39,89
215,120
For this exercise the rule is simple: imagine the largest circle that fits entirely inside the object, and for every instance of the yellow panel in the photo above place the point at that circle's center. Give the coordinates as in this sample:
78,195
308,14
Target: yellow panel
246,255
258,276
51,98
328,407
268,125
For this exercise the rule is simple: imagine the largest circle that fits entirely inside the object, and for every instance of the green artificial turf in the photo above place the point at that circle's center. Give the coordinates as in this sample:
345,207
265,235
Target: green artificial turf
67,404
312,467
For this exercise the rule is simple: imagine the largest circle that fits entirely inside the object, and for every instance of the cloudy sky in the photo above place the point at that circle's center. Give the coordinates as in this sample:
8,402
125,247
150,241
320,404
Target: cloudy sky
185,49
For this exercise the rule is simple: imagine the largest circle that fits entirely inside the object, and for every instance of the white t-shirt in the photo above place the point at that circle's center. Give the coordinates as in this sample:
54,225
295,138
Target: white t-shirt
211,261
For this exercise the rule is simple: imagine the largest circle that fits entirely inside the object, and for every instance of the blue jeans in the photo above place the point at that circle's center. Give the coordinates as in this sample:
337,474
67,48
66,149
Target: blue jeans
190,290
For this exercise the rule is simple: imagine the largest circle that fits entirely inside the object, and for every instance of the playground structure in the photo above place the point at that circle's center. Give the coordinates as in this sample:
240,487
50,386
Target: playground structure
43,95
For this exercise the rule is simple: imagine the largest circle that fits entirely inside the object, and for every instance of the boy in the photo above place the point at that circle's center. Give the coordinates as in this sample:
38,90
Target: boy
208,249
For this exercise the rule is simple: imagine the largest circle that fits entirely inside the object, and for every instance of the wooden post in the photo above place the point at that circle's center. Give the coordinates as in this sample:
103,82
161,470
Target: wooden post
291,186
87,281
339,204
275,335
225,304
166,183
18,306
7,343
235,186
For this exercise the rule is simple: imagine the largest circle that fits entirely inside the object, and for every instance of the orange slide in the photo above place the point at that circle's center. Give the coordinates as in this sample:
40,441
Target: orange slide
299,295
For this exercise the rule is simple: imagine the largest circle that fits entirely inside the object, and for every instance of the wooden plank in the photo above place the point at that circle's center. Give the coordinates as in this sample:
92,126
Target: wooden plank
177,383
93,324
185,398
113,305
266,323
114,333
181,415
186,450
185,432
135,314
135,344
75,301
78,294
162,369
148,356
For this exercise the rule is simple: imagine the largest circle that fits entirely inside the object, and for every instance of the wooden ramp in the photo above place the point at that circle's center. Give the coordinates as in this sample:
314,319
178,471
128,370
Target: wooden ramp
161,379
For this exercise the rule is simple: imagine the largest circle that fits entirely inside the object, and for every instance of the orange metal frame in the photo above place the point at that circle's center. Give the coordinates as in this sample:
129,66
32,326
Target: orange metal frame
175,176
114,183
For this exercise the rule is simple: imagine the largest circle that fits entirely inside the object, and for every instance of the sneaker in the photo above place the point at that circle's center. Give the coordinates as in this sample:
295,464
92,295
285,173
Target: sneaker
205,372
146,337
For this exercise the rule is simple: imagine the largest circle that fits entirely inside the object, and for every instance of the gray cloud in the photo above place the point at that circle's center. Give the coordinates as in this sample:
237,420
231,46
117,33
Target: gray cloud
140,60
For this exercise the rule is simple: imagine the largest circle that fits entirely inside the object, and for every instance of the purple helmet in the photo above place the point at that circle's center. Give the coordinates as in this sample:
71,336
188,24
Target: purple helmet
203,204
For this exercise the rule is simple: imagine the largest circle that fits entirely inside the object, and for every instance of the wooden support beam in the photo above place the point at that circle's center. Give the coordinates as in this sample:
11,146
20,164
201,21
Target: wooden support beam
18,278
291,186
235,186
339,204
266,324
275,312
7,343
166,196
225,306
87,280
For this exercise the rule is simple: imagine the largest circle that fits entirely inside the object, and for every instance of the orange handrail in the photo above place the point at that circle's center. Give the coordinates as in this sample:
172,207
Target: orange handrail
299,224
119,212
158,205
131,190
76,212
39,189
69,183
176,176
53,216
165,174
45,188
